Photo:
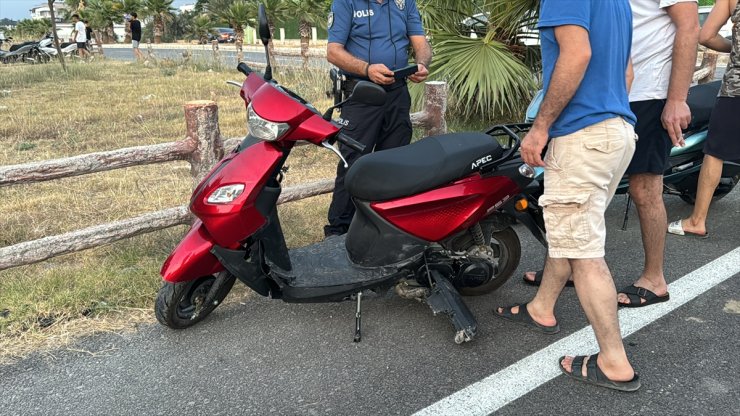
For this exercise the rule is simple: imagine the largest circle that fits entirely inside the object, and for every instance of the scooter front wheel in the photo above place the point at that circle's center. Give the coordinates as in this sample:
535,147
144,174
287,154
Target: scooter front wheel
181,305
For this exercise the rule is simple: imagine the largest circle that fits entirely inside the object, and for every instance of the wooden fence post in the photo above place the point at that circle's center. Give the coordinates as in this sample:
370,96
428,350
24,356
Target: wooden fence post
435,107
201,118
709,60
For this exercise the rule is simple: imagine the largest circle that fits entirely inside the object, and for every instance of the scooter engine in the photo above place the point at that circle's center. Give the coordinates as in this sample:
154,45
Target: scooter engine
473,274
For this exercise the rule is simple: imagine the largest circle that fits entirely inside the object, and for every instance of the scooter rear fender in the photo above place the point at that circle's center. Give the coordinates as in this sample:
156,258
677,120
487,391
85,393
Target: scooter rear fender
191,258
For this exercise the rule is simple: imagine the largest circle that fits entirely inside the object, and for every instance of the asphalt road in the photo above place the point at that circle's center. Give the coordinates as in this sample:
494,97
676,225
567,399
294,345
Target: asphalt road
226,53
270,357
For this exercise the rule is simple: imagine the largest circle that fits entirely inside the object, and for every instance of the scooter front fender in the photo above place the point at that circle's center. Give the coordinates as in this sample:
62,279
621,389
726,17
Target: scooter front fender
191,258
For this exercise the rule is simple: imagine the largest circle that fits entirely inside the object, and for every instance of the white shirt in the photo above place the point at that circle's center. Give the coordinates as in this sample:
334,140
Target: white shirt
652,48
81,35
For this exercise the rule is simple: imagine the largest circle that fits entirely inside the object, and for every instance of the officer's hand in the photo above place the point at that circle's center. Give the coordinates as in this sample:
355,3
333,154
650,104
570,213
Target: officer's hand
380,74
420,75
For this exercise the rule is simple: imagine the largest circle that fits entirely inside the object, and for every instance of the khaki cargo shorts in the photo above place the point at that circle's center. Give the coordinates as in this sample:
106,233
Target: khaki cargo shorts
582,174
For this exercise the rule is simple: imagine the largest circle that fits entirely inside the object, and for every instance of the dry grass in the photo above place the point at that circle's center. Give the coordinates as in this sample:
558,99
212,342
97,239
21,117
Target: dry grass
103,106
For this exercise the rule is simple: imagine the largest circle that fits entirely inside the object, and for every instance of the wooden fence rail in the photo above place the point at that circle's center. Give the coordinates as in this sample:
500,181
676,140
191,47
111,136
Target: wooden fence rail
202,147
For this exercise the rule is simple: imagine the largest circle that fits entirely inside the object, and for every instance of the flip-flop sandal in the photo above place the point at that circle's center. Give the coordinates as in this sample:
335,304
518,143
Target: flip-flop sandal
538,279
676,228
637,294
595,376
525,319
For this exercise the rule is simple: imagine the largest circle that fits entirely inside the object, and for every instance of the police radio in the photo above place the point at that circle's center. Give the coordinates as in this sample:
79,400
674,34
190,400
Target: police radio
337,79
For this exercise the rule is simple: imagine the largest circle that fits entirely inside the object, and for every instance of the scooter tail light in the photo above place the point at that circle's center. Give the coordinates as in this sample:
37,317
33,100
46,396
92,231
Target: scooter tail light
225,194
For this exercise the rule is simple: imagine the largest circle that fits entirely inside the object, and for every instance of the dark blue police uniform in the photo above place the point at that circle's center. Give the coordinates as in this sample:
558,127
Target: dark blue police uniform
376,33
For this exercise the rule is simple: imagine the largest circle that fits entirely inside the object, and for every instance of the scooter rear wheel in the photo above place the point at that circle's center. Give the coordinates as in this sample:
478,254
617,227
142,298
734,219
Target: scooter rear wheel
181,305
508,252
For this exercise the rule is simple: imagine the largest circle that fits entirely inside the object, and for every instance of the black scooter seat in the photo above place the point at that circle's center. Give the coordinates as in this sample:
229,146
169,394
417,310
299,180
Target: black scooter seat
701,101
420,166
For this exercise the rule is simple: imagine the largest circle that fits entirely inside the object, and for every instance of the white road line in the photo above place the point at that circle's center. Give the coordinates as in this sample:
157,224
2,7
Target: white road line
513,382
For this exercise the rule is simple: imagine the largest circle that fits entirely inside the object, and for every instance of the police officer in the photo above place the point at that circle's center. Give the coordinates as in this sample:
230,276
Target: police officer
369,40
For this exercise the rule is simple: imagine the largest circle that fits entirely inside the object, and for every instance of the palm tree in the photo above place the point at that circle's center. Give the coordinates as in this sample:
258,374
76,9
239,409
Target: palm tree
161,11
237,14
312,13
103,14
32,28
278,11
201,27
490,73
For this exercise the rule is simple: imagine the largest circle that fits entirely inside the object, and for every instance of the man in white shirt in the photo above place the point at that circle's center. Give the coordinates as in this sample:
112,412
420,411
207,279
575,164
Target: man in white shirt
79,35
664,45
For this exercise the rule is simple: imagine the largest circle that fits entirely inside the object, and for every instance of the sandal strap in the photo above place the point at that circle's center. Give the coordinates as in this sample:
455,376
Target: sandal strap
634,299
638,294
576,367
593,372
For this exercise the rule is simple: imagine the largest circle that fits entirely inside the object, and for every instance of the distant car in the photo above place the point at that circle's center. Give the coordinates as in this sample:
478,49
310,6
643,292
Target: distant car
725,31
222,35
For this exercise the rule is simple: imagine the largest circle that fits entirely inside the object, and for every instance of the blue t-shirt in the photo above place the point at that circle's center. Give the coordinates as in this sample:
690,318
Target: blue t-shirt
603,91
376,33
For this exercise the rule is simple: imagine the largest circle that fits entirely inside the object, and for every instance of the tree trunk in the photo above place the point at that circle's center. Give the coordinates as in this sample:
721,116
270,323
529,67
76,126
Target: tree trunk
271,46
239,42
56,37
111,34
127,38
305,29
158,29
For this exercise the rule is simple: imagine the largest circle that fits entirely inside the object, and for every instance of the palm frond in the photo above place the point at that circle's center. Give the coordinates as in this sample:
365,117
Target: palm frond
482,74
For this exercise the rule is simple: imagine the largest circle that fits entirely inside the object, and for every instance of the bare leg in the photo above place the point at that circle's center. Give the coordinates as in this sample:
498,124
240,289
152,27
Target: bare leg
711,171
647,192
542,307
596,292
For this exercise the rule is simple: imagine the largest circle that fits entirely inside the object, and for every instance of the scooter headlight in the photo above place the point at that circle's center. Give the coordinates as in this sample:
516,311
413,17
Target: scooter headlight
226,194
527,171
264,129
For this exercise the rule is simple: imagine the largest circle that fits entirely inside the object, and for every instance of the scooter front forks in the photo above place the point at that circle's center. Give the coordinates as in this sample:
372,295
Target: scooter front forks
445,299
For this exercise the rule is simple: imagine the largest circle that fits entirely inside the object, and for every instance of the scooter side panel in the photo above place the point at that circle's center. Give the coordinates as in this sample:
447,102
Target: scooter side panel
237,220
191,258
438,214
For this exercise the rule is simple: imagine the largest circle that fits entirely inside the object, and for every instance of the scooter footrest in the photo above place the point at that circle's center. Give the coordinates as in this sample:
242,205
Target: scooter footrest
444,299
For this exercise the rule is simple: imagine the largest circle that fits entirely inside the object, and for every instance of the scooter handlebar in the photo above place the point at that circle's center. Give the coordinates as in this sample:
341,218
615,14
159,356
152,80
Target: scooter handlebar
350,142
244,68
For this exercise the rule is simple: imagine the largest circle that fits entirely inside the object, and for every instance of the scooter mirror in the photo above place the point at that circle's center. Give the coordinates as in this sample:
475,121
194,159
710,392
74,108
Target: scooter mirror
368,93
264,25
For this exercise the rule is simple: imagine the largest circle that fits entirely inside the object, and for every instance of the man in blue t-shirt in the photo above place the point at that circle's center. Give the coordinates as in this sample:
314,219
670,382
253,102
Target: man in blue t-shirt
587,74
369,40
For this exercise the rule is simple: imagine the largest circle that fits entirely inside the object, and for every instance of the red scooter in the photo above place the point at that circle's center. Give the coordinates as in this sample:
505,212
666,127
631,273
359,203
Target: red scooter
433,218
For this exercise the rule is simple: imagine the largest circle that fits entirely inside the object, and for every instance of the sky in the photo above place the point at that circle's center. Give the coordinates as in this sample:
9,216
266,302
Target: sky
19,9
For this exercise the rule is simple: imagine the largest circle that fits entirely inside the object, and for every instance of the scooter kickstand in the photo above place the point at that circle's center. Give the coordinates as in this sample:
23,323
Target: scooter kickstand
627,212
358,318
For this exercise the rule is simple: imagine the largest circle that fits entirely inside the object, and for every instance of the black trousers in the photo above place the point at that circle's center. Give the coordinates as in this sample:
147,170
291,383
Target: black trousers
378,128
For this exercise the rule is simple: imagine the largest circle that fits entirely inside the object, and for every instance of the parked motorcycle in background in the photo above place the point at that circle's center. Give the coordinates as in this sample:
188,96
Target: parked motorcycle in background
22,52
49,51
681,176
